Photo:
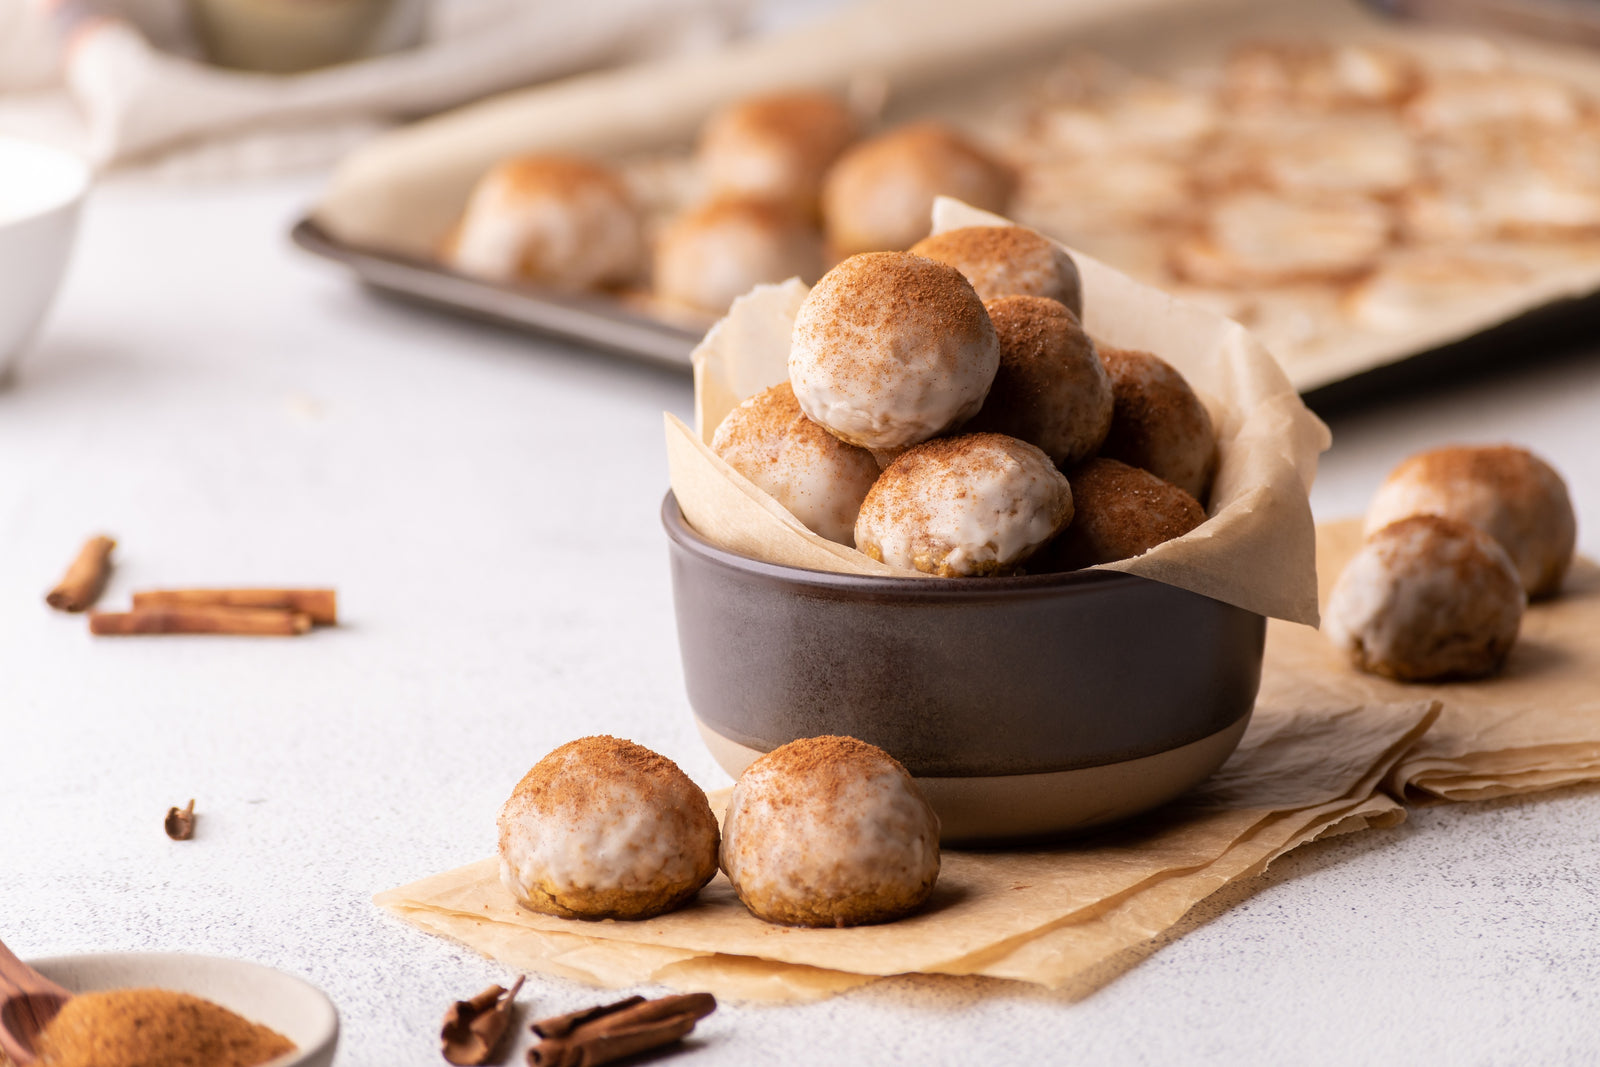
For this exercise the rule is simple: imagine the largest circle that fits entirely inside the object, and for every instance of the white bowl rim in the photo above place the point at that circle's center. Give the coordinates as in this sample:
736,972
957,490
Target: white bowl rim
327,1027
65,176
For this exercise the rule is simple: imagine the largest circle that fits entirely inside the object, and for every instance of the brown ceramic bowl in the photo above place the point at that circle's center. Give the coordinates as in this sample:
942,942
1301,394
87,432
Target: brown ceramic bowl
1025,707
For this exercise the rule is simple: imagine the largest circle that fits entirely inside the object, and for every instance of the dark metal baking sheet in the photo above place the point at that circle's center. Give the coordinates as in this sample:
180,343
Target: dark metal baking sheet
595,320
608,324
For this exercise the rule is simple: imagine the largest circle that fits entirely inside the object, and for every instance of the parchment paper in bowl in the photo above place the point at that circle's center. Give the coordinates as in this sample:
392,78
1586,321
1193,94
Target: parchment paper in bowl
1054,916
1256,551
1533,726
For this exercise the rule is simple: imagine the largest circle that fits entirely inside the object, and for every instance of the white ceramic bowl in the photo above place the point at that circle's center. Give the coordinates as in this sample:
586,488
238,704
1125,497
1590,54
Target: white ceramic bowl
292,1006
41,190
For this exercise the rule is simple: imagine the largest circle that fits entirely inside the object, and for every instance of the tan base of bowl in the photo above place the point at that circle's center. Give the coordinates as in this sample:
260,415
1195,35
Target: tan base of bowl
994,809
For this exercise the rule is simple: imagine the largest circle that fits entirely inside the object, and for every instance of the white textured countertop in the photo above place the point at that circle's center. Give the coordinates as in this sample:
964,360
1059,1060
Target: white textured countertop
236,412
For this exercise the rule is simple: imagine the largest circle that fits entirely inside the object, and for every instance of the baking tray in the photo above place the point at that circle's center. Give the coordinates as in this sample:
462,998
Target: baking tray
597,321
392,200
1550,331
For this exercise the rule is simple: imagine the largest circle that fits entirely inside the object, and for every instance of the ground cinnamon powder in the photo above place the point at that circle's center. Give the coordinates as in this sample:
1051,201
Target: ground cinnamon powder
821,768
154,1028
566,779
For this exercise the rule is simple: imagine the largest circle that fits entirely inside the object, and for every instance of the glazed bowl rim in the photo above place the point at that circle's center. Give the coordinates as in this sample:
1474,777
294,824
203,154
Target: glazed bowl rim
691,540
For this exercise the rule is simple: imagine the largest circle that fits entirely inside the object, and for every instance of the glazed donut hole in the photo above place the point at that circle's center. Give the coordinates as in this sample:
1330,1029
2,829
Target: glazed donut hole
879,195
554,220
1119,512
776,147
819,478
603,828
1051,389
978,504
1507,492
1427,598
830,831
725,248
1158,423
890,349
1007,261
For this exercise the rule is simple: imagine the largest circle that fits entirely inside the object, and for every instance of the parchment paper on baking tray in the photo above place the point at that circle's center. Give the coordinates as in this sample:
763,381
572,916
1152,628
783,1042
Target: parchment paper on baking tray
991,68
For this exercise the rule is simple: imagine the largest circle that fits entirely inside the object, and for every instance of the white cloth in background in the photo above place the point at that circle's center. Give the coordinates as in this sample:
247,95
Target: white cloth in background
136,101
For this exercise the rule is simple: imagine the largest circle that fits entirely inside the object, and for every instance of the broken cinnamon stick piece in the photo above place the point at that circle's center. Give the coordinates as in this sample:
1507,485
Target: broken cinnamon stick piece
614,1031
695,1005
180,822
85,579
321,604
592,1050
249,622
562,1025
473,1028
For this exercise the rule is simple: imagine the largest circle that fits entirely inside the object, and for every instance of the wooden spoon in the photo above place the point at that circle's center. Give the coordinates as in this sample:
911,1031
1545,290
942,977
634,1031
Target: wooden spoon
28,1001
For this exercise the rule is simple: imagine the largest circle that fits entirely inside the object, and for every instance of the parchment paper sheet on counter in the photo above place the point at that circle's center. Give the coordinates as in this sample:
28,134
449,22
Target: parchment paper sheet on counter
1048,916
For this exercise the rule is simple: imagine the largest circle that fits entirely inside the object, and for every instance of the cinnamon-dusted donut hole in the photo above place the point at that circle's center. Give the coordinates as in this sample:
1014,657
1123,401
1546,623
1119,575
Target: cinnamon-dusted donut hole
556,220
1007,261
1507,492
890,349
830,831
979,504
879,195
1051,389
819,478
1159,423
776,147
1427,598
603,828
1119,512
725,248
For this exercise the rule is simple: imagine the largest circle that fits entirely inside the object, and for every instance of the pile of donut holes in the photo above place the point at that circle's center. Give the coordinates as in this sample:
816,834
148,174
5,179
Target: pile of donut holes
946,412
1458,540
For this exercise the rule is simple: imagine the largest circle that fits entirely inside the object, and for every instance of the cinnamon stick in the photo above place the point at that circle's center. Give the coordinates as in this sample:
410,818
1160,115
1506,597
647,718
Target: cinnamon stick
594,1049
253,622
180,822
321,604
562,1025
613,1031
85,579
473,1028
